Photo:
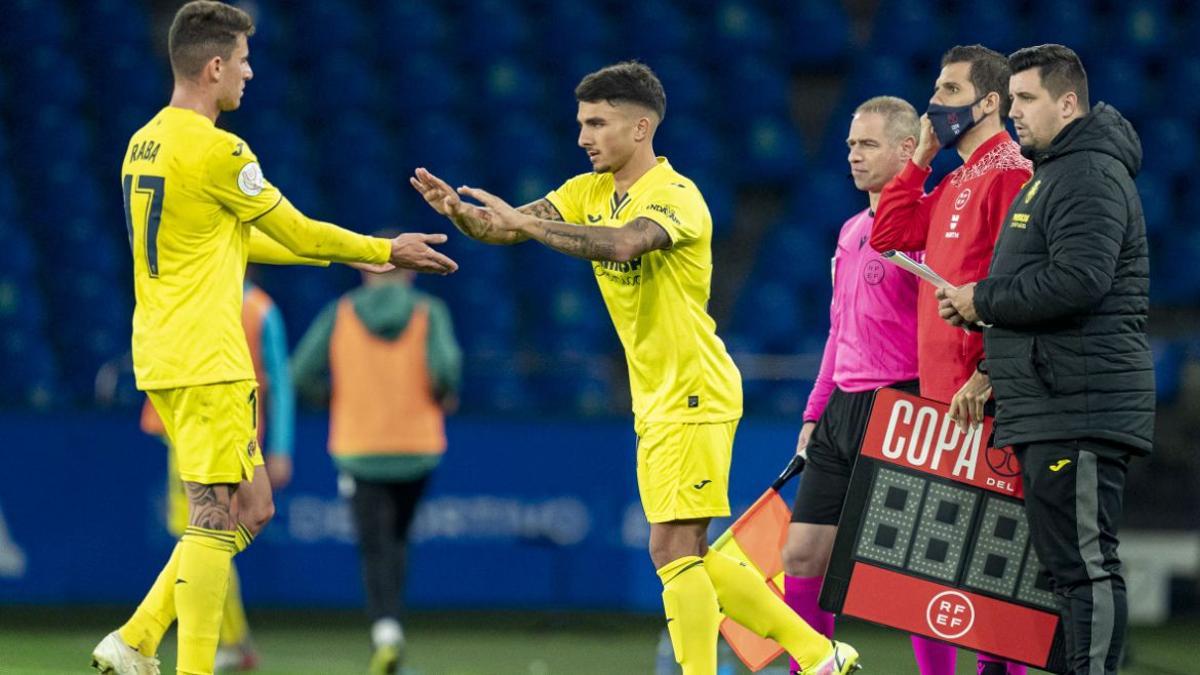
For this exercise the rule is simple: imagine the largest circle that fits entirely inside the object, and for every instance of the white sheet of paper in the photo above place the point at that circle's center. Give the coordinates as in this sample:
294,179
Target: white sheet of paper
922,270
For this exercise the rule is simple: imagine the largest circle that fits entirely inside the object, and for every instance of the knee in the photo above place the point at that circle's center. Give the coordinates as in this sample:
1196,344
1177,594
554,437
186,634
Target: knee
800,560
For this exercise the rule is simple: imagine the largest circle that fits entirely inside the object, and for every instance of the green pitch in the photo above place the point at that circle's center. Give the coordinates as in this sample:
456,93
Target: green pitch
54,641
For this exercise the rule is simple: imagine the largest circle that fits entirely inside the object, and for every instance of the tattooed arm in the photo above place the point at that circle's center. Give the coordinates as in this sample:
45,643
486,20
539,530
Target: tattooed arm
616,244
471,220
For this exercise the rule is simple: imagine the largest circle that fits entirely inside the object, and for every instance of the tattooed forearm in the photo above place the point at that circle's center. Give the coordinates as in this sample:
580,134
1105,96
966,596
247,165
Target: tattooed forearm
209,506
542,209
590,243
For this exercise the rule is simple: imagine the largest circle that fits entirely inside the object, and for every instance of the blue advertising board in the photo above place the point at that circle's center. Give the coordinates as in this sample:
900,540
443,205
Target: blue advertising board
521,514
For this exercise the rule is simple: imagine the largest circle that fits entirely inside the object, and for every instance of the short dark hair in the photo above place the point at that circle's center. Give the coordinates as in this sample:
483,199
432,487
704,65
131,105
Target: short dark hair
625,82
1058,66
203,29
989,71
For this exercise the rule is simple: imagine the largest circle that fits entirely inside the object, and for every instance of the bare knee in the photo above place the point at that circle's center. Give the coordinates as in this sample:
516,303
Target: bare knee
671,541
210,506
807,551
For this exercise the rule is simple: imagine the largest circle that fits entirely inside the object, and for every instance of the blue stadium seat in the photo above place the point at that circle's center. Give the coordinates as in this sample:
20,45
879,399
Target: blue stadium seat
507,84
445,146
30,24
1169,145
740,27
796,255
133,75
692,145
62,138
576,26
322,27
689,89
674,32
1070,22
10,202
491,29
879,76
771,151
422,84
356,78
719,194
275,84
30,366
1158,204
769,310
1118,80
908,27
404,27
1143,26
992,24
1169,357
1183,74
821,30
759,86
18,257
49,77
108,24
20,301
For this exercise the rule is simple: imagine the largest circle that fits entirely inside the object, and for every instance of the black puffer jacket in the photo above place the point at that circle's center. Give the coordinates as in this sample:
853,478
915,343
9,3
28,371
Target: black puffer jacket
1068,293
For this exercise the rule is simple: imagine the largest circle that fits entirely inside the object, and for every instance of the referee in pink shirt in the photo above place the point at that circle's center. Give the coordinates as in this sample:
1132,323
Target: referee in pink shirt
872,343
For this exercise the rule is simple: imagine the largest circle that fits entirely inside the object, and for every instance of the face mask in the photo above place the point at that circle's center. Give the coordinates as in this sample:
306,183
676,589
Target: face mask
951,122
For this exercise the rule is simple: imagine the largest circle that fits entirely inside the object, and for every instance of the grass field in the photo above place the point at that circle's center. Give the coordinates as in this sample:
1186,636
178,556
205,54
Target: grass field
50,642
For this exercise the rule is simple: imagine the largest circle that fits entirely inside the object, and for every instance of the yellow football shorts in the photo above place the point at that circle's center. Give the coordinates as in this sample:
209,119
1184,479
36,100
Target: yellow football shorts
683,470
213,430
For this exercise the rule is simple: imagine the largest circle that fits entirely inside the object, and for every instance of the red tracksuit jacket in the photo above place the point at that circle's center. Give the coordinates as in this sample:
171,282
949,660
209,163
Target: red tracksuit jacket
957,225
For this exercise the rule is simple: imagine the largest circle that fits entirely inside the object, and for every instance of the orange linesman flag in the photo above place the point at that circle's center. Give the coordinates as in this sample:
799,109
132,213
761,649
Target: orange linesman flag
757,537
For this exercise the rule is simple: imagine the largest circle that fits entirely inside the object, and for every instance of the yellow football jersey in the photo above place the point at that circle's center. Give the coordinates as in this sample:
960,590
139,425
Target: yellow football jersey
191,190
679,370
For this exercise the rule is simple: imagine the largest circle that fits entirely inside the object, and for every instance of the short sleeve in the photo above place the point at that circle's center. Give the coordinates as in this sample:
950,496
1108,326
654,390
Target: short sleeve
236,180
570,198
677,208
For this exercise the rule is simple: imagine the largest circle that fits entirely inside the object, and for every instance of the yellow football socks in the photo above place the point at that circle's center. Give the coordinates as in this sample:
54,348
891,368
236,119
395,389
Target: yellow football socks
201,584
154,615
745,598
234,626
693,617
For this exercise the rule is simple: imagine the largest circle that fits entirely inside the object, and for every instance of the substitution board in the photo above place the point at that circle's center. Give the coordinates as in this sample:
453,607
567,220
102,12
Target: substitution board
933,538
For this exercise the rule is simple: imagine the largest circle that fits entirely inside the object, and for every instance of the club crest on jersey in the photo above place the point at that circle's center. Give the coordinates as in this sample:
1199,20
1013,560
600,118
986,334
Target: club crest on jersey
250,180
963,198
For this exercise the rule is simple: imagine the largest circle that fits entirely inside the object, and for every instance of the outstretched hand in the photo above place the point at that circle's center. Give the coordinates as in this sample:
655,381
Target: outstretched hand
499,214
413,251
439,195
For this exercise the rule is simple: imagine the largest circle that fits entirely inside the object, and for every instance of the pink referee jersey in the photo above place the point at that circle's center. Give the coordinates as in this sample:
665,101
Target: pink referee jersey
872,320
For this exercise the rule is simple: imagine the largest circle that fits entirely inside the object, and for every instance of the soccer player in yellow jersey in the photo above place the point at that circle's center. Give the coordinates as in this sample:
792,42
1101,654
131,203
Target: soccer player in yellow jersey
648,233
197,208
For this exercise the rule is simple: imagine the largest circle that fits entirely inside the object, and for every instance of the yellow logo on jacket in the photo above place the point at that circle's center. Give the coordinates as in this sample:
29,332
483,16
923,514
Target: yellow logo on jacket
1033,191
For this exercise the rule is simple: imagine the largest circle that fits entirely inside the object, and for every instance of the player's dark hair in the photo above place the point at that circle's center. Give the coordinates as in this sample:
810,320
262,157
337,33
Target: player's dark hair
1058,66
203,29
625,82
989,71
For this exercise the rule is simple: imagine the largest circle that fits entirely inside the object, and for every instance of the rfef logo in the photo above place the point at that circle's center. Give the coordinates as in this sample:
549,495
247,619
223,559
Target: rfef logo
950,615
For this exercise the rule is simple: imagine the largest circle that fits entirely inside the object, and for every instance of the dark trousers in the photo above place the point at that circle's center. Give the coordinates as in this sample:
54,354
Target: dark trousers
383,511
1073,496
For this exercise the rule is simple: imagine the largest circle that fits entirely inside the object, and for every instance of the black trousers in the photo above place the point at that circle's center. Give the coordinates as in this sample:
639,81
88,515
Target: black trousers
383,512
1073,499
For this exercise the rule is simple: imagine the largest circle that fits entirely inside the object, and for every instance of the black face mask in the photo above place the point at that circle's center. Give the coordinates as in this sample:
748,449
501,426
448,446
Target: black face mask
951,122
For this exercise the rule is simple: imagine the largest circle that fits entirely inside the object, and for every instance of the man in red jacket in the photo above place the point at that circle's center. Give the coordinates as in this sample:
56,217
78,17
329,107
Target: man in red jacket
957,225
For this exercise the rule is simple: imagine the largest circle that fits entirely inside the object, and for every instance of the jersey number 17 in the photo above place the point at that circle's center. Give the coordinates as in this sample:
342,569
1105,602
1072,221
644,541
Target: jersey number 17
147,221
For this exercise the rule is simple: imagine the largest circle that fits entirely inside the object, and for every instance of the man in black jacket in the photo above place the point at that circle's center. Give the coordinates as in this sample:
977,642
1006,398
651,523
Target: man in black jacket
1065,306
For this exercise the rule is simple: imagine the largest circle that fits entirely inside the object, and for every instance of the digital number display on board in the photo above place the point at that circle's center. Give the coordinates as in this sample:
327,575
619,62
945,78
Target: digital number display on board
933,538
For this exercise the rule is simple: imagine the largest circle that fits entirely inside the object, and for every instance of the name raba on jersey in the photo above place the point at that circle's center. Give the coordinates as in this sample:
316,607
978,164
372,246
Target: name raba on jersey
145,151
